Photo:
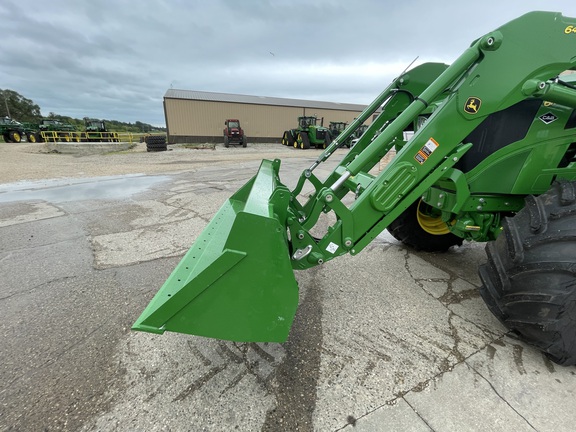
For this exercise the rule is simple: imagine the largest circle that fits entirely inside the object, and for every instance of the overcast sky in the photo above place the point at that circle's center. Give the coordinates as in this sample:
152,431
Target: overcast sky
116,59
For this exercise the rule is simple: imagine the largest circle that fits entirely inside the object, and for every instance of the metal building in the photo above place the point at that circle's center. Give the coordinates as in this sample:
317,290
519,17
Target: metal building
196,116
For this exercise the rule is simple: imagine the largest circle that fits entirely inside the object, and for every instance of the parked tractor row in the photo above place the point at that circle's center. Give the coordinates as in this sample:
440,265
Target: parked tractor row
50,130
311,134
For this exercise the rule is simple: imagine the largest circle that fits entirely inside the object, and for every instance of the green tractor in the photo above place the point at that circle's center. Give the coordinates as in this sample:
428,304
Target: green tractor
11,130
52,130
96,131
335,129
492,159
308,134
355,137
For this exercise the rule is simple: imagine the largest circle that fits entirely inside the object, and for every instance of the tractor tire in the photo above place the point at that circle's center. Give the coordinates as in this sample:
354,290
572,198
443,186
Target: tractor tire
327,140
408,228
15,136
31,137
39,137
303,141
244,142
529,281
226,141
285,138
155,143
6,137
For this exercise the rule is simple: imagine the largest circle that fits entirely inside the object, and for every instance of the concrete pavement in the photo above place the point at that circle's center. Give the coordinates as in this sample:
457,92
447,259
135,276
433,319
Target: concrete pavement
388,340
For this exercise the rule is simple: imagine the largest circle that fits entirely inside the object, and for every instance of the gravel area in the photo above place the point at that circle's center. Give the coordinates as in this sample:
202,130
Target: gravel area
26,161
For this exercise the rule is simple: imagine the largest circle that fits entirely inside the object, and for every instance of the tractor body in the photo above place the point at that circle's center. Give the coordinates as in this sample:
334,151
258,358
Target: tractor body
481,150
335,129
95,130
52,130
233,133
308,134
11,130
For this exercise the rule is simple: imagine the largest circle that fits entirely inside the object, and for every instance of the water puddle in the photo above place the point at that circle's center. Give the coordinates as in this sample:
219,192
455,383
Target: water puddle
66,190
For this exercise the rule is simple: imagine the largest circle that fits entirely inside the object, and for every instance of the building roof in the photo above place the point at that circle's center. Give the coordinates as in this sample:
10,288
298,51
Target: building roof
259,100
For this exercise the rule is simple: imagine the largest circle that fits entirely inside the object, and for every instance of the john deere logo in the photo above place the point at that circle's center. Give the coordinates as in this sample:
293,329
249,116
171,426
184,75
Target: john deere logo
472,105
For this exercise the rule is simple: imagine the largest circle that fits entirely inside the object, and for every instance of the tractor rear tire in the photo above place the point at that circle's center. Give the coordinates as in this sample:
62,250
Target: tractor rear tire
407,229
303,141
244,142
15,136
31,137
529,282
286,139
226,141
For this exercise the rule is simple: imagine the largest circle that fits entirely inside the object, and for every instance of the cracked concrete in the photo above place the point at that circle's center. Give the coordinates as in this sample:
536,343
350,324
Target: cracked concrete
387,340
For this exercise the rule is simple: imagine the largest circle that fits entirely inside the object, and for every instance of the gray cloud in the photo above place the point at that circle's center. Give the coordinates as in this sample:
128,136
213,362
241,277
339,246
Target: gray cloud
116,59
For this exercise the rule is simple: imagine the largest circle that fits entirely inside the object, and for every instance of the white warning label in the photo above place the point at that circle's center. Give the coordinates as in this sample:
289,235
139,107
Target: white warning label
425,152
332,247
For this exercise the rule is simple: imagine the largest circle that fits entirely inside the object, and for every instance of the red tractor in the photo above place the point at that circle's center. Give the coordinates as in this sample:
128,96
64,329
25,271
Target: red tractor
233,133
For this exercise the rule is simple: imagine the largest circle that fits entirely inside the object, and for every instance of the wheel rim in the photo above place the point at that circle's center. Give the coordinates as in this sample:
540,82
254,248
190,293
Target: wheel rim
431,224
17,137
32,138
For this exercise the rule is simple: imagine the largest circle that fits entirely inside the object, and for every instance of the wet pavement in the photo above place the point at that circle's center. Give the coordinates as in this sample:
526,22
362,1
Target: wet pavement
388,340
58,191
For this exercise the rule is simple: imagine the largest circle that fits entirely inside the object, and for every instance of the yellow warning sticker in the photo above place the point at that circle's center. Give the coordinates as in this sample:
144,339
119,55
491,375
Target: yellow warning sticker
425,152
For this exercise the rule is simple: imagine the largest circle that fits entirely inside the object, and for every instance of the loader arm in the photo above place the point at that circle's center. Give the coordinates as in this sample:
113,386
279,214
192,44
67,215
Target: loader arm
236,282
496,72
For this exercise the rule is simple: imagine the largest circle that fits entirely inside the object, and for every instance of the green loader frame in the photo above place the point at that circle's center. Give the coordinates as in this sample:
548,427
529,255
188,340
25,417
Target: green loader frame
491,158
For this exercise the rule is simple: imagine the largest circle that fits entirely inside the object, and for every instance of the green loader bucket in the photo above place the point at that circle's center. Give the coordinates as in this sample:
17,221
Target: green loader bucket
236,282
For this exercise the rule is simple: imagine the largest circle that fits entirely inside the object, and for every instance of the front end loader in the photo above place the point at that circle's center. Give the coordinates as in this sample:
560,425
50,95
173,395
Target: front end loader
490,157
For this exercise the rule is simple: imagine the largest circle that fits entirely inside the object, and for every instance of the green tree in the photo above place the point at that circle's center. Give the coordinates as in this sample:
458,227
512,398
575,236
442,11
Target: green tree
16,106
142,127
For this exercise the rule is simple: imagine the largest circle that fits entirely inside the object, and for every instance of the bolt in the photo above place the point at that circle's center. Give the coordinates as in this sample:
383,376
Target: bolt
441,196
490,41
479,208
329,198
482,200
455,159
348,243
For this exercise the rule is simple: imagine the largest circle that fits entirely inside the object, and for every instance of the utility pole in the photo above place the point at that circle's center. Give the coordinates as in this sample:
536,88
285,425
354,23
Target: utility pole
6,105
